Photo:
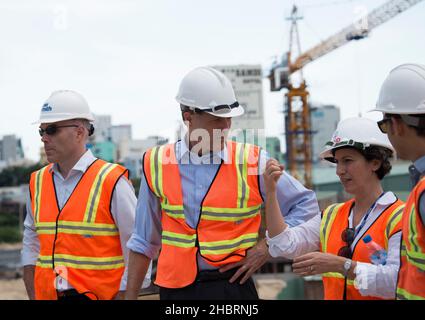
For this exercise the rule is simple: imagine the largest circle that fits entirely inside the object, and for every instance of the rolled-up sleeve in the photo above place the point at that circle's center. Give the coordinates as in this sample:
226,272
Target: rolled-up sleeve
30,242
297,203
146,236
295,241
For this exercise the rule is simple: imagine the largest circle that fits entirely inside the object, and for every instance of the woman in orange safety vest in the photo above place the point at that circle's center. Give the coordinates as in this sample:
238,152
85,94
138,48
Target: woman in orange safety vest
349,271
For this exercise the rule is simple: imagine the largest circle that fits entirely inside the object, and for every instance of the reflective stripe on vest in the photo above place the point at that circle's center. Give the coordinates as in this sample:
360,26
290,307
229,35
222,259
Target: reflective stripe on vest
411,278
37,194
404,295
334,222
226,214
415,251
178,240
84,237
213,213
96,191
337,275
229,219
73,227
329,215
79,262
229,246
394,221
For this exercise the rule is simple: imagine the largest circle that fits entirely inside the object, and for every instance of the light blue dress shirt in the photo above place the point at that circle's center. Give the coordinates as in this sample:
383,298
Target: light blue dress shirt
297,203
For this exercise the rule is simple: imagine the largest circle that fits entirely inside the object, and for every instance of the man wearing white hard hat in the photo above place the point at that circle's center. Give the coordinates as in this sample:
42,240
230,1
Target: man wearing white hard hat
80,211
402,101
200,199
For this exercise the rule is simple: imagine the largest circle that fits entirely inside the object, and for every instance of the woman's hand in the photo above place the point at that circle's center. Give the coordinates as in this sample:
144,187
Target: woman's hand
317,263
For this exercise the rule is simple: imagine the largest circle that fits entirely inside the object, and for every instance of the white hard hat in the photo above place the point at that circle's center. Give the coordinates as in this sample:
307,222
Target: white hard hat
358,133
403,91
64,105
209,90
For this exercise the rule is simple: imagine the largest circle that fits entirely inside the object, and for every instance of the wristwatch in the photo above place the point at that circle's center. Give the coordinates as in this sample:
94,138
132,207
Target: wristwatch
347,266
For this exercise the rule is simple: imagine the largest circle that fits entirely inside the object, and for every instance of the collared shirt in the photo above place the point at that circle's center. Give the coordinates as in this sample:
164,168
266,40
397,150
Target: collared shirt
372,280
417,170
297,203
122,206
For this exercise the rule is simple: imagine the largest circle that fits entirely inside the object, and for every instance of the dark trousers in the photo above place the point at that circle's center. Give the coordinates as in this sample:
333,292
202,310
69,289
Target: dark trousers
72,295
212,285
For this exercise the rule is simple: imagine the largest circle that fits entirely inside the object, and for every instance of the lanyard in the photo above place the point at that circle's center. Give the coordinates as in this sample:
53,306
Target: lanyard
363,221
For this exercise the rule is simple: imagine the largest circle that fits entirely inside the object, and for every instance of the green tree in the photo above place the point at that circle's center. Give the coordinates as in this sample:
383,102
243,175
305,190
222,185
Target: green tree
9,228
17,175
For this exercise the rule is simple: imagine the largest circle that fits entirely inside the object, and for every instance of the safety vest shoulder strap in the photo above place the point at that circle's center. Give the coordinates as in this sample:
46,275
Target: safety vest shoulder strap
36,177
37,183
394,219
414,229
153,166
328,218
417,191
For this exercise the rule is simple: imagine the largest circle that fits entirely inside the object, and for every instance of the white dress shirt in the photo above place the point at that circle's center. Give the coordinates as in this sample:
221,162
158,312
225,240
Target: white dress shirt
371,280
123,208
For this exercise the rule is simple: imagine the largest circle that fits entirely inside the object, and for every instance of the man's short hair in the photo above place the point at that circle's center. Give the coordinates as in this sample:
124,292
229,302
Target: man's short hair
418,118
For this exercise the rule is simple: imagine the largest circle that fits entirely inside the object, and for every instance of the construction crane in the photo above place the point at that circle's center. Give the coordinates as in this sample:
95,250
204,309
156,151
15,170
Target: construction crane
298,127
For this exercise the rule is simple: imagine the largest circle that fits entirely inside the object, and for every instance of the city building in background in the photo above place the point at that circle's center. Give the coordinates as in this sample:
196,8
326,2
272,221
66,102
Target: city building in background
102,126
324,120
247,81
105,150
120,133
132,151
11,152
11,149
274,150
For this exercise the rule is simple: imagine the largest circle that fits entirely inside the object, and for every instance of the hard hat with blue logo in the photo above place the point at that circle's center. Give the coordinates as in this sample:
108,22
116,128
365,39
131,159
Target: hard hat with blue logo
64,105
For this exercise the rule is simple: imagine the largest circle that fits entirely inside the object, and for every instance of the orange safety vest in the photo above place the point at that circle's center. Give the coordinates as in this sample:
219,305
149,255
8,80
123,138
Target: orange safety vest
229,214
79,242
411,277
334,222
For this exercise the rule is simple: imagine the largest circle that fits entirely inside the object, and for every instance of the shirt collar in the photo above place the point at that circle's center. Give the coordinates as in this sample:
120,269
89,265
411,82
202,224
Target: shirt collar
386,199
82,164
183,153
416,170
420,165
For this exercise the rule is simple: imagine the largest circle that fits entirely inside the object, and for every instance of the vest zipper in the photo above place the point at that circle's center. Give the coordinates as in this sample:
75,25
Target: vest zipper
54,241
200,212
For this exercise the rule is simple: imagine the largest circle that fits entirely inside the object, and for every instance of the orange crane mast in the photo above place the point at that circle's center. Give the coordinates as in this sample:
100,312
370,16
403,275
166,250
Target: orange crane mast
298,127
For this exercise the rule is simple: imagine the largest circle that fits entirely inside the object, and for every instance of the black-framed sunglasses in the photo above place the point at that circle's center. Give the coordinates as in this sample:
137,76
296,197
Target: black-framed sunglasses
53,128
348,237
383,125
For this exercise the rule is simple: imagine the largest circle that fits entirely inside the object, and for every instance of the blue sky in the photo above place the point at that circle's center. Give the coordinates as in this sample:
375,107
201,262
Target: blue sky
127,57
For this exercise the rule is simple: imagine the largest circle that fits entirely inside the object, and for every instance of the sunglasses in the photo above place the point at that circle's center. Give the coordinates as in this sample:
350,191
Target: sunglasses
348,237
52,129
383,125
